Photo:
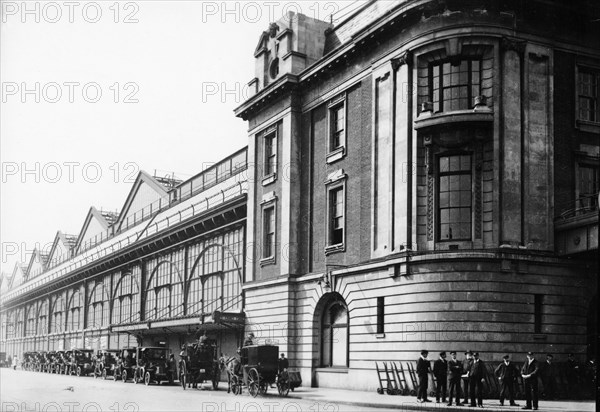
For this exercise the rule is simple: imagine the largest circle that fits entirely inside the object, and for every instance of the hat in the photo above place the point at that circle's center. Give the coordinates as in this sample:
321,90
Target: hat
443,354
424,352
453,353
529,353
476,354
549,355
468,352
505,357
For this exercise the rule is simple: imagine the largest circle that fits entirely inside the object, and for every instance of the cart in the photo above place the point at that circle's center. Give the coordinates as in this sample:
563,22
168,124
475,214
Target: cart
259,371
199,364
106,363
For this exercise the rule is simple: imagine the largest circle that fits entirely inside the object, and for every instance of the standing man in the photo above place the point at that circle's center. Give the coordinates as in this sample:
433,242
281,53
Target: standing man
440,371
529,372
506,373
466,367
455,371
476,379
548,373
423,369
282,363
572,373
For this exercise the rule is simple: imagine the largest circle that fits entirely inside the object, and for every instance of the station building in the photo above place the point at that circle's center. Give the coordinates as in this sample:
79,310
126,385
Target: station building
419,174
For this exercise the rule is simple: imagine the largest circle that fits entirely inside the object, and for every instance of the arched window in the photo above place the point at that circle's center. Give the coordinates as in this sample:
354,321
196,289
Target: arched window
215,282
30,327
334,330
164,298
98,306
58,313
42,326
74,313
19,324
127,295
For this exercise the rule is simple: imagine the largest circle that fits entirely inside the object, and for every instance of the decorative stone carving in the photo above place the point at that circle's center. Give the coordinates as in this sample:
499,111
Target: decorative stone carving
509,43
405,58
273,29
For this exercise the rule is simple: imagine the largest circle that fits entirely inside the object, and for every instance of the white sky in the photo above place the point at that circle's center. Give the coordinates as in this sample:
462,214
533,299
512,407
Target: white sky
178,60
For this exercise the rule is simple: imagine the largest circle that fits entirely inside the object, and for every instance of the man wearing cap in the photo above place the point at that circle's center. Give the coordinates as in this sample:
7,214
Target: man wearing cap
423,369
455,371
548,373
466,367
529,372
440,371
476,378
506,373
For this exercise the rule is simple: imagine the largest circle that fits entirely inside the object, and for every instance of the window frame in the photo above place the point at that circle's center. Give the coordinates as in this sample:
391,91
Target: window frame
265,259
327,332
270,159
469,84
595,71
336,183
438,175
336,152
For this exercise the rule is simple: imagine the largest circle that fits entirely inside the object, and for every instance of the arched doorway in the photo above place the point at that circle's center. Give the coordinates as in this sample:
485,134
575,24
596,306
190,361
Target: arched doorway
332,323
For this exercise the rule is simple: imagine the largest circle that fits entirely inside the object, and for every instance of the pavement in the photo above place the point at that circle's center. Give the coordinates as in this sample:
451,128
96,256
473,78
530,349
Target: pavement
409,403
33,391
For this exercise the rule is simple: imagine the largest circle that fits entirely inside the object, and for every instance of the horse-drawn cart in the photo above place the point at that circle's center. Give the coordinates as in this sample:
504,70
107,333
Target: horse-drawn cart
199,364
258,371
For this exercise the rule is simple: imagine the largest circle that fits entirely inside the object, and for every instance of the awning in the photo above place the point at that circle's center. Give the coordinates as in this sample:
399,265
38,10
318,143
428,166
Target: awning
215,321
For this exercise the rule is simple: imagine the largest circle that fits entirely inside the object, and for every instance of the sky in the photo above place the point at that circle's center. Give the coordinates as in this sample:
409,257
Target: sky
94,92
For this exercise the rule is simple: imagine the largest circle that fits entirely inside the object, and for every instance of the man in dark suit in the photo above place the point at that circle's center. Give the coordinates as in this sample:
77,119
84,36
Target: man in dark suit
466,366
455,371
440,371
506,373
529,372
423,369
548,374
476,379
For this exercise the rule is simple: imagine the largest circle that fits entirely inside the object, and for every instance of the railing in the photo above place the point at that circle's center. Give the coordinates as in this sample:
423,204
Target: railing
193,209
587,203
212,176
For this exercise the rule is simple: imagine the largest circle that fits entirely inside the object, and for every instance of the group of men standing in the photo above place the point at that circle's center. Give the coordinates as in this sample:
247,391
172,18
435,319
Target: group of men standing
471,371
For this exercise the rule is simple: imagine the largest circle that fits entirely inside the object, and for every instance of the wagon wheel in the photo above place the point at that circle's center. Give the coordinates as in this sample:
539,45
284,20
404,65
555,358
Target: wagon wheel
115,374
124,376
263,388
78,372
235,385
283,384
147,378
253,382
182,374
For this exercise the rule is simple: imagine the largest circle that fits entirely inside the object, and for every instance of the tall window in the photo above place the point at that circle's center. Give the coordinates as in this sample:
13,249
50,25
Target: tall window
74,313
98,307
588,89
334,330
454,85
537,313
588,185
270,153
337,118
19,324
268,232
58,313
126,303
336,216
454,194
380,314
30,327
42,326
164,298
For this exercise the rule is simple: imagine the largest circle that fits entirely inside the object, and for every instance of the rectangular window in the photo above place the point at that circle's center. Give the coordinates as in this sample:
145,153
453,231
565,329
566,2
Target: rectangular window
454,85
337,127
454,197
588,89
336,216
380,314
588,183
268,232
270,154
537,313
